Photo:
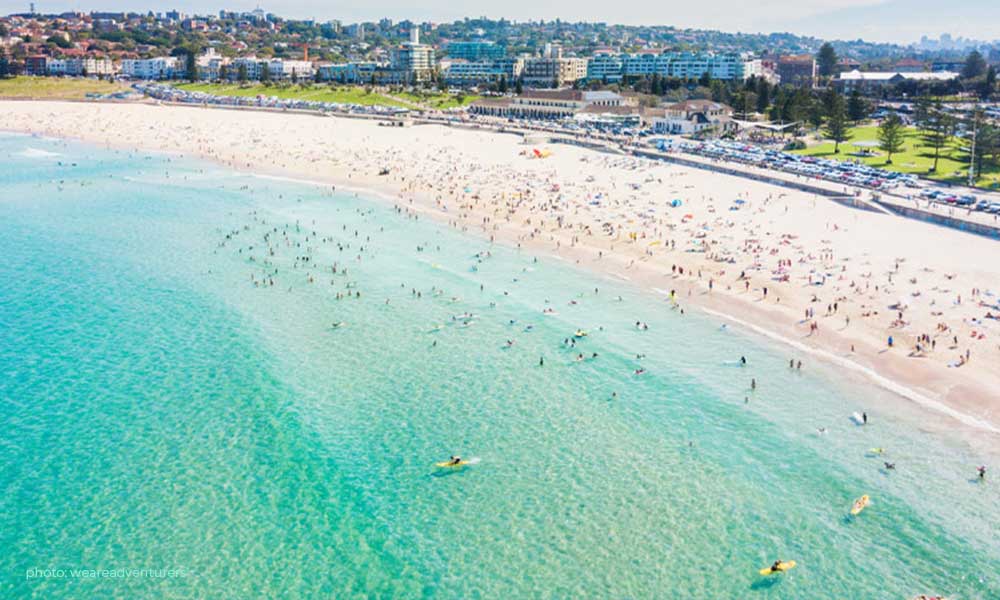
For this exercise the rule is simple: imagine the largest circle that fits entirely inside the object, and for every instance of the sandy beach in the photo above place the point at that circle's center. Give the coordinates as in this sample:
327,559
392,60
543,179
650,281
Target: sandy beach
836,282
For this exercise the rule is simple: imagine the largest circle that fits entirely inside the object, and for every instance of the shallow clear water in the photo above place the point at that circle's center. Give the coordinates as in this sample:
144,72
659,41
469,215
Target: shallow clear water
160,411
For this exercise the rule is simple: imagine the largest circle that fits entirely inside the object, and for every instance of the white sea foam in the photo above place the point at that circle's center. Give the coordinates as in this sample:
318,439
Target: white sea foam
881,381
36,153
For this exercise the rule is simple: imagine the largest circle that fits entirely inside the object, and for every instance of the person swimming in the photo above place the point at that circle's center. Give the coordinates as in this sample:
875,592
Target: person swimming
889,466
455,460
982,472
743,360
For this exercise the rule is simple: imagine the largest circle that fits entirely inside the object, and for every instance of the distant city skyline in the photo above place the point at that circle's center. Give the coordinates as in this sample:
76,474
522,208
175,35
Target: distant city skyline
897,21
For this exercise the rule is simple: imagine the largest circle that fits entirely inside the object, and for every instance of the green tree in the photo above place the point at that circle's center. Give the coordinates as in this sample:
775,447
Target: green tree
857,107
836,123
519,86
989,84
223,72
922,111
975,66
4,64
502,84
890,136
986,142
191,72
763,95
744,103
938,127
241,73
778,106
265,72
826,60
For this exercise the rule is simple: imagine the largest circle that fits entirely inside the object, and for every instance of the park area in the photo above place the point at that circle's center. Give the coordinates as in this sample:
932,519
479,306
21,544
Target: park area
342,94
916,157
57,88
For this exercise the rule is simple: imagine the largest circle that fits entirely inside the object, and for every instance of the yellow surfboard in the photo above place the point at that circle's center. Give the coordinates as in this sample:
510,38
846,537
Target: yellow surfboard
446,464
782,567
860,504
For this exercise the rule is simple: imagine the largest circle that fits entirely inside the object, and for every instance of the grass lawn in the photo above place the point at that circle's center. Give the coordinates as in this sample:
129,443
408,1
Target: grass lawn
438,100
308,91
326,93
58,88
916,157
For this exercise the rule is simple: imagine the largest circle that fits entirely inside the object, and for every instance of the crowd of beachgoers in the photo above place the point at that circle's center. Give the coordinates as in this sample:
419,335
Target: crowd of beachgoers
910,301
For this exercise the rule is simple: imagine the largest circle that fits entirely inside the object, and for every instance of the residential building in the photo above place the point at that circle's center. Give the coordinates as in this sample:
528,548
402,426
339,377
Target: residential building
210,65
353,72
462,73
553,71
164,67
290,69
798,70
475,51
76,67
414,61
678,65
605,66
909,65
847,64
36,65
948,65
276,69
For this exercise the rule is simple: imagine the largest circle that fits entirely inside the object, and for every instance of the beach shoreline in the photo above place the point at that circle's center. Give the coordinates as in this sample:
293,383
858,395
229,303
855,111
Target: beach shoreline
534,215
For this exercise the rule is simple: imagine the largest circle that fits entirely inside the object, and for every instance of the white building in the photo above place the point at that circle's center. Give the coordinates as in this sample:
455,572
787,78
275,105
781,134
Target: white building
415,61
692,117
164,67
77,67
276,69
678,65
210,65
290,69
353,72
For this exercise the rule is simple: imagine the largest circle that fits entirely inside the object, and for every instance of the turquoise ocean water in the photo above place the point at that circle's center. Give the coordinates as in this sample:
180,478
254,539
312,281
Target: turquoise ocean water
160,411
